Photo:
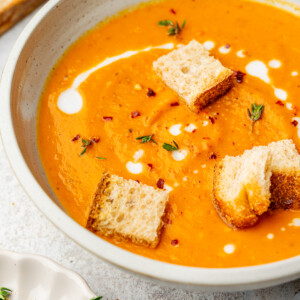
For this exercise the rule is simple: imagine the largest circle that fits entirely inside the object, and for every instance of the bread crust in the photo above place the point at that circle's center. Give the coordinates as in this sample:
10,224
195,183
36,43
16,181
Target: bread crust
95,211
13,11
285,191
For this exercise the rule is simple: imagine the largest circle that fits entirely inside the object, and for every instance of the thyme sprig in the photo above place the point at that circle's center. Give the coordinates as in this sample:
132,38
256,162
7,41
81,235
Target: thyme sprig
98,298
170,147
4,293
85,145
255,113
174,29
146,139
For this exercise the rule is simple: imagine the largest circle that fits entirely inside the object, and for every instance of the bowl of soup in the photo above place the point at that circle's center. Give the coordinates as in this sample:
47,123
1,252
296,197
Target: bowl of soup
81,71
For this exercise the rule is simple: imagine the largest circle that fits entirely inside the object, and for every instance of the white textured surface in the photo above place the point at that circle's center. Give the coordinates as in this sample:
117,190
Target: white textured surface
24,229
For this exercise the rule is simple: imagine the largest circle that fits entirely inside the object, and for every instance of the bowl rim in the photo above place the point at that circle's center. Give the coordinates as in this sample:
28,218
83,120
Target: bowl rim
221,278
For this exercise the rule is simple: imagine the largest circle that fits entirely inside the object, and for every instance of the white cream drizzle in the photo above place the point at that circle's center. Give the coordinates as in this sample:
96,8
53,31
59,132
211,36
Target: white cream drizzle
70,101
190,128
294,73
289,106
295,222
138,154
274,63
134,168
258,69
208,45
205,123
280,94
224,50
168,188
180,154
240,53
270,236
175,129
229,248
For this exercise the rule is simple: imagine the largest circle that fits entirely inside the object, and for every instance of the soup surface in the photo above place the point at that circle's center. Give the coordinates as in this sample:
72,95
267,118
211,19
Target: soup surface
116,107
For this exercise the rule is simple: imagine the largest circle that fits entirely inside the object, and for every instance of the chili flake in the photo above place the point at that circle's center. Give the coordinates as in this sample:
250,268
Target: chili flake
135,114
160,183
175,104
279,103
107,118
174,242
150,93
295,123
213,156
239,76
75,138
212,120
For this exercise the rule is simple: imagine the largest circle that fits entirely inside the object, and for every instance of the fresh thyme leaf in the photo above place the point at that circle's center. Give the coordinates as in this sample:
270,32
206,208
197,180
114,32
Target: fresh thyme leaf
99,157
255,113
4,293
146,139
170,147
165,23
98,298
85,144
173,29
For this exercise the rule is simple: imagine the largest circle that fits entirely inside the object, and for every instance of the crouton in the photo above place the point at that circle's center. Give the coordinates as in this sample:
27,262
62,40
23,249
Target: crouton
11,11
128,210
263,178
194,75
241,187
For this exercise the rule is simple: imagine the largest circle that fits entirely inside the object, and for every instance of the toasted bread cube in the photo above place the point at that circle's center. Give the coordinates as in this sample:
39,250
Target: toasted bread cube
285,180
11,11
263,178
128,210
194,75
241,187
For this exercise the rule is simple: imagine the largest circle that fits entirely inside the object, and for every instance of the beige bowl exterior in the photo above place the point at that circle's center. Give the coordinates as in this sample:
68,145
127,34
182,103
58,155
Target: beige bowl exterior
58,24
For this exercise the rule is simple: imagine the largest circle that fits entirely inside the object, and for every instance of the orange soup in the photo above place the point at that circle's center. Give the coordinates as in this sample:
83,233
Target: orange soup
114,101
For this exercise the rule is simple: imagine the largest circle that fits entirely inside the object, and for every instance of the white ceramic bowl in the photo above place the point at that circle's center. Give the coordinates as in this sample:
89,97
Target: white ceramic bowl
48,35
36,277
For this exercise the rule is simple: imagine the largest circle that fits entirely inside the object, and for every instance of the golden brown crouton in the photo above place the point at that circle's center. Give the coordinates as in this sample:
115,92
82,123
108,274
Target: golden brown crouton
11,11
194,75
128,210
263,178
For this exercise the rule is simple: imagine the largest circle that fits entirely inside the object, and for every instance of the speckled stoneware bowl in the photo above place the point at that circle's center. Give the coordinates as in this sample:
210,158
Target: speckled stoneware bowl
37,277
58,24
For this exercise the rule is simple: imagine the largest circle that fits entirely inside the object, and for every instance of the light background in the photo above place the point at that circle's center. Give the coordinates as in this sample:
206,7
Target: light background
24,229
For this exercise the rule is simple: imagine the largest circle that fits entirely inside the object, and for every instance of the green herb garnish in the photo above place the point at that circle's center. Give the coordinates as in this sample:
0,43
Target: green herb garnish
99,157
4,293
170,147
85,144
174,29
98,298
255,113
146,139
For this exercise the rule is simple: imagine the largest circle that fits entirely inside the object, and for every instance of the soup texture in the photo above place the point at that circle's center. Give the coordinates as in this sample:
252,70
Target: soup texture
100,106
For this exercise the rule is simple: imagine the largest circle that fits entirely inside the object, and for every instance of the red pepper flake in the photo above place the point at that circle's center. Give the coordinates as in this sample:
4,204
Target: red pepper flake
239,76
137,181
150,93
279,103
295,123
75,138
194,130
206,138
95,139
150,166
160,183
107,118
175,104
212,120
173,11
227,46
174,242
213,156
135,114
